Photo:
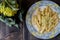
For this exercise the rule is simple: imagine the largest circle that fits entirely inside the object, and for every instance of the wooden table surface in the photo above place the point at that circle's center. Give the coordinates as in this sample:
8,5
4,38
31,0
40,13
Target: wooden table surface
10,33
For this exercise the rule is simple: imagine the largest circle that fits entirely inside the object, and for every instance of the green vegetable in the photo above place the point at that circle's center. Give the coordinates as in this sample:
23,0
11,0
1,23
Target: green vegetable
8,8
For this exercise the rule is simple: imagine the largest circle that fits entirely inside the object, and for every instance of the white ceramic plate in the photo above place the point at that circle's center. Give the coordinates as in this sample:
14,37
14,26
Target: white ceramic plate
30,27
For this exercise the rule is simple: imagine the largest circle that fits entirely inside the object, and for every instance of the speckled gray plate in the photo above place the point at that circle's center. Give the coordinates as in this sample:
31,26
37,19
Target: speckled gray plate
30,27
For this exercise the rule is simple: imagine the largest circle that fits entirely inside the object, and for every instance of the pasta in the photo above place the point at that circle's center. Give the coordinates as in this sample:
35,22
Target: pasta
45,20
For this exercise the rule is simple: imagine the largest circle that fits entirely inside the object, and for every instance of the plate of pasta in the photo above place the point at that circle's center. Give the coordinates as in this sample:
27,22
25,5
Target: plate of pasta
42,19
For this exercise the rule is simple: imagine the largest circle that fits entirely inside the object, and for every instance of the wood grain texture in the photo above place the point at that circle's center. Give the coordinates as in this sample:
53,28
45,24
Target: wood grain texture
10,33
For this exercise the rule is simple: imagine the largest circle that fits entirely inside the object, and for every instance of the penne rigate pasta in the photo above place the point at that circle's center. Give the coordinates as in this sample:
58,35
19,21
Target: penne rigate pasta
45,20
